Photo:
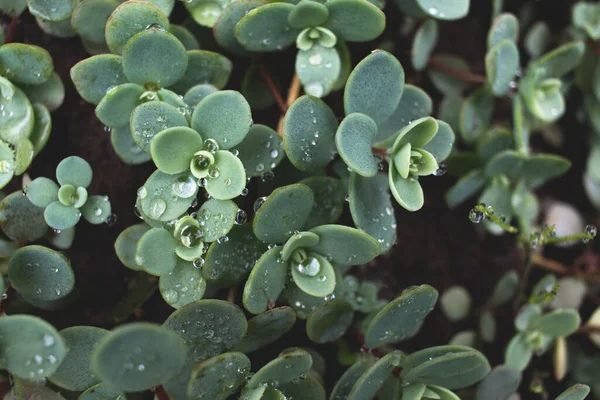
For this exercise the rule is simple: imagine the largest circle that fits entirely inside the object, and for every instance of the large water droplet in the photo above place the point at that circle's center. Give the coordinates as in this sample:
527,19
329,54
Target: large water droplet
142,192
184,187
191,236
310,266
258,203
157,208
241,217
211,145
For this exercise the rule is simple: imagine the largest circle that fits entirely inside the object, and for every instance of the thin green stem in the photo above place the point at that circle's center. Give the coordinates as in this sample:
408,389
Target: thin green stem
584,237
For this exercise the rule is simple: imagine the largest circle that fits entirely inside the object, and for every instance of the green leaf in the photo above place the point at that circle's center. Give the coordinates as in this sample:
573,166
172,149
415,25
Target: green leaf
344,385
41,128
561,322
74,171
137,356
155,252
518,353
456,303
224,28
373,379
476,114
94,76
308,13
414,104
261,150
440,146
183,285
30,348
195,94
445,83
450,370
418,134
375,86
166,197
223,116
51,10
218,217
414,391
230,262
205,12
298,240
355,21
224,325
309,127
126,148
231,179
444,10
354,139
149,119
59,217
407,192
204,67
266,28
12,8
531,311
497,194
540,168
100,392
283,212
8,162
309,388
173,149
504,27
501,383
266,281
575,392
493,142
537,39
41,273
401,318
344,245
25,64
329,322
42,191
322,283
560,61
502,63
50,93
20,219
126,243
266,328
186,37
74,372
96,209
129,19
90,17
507,162
583,18
219,377
154,56
23,156
423,44
289,365
505,289
18,118
328,203
318,68
371,209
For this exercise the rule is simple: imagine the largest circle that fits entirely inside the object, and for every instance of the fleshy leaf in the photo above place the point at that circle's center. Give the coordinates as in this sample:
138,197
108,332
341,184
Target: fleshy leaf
94,76
401,318
375,86
59,217
42,191
183,285
456,303
445,83
41,273
502,63
231,180
218,217
96,209
345,245
354,139
100,392
423,44
559,61
41,129
218,377
501,382
475,114
204,67
556,323
344,385
155,252
321,284
266,281
195,94
20,219
149,119
318,69
266,28
17,117
125,245
261,150
308,13
266,328
575,392
74,171
224,29
329,322
354,21
444,10
373,379
25,64
282,213
206,12
115,108
90,17
50,93
289,365
518,353
173,149
504,27
166,197
137,356
328,203
407,192
308,133
126,148
25,340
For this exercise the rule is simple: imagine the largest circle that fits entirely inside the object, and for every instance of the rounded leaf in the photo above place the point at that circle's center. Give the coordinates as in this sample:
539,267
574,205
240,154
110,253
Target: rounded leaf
186,37
502,63
266,281
173,149
329,322
126,243
94,76
218,377
375,86
282,213
25,64
321,284
96,209
59,217
344,245
309,127
353,140
23,156
289,365
402,317
20,219
231,180
50,93
224,28
223,116
266,328
266,28
310,388
183,285
204,67
575,392
328,202
261,150
423,44
555,323
373,379
166,197
501,383
100,392
74,171
475,114
155,252
318,69
344,385
90,17
354,20
114,110
217,218
149,119
30,348
407,192
456,303
17,117
74,373
129,19
224,324
41,128
445,10
445,83
42,191
137,356
154,56
505,26
126,148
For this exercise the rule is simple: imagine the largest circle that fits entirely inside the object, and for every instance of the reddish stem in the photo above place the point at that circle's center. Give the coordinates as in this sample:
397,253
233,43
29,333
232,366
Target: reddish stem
376,352
11,29
462,75
272,88
161,393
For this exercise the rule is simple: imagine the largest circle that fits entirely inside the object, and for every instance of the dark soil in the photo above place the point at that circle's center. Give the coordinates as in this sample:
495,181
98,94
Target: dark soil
435,245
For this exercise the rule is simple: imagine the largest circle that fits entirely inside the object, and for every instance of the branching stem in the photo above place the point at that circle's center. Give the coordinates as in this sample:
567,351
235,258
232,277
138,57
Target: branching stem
272,88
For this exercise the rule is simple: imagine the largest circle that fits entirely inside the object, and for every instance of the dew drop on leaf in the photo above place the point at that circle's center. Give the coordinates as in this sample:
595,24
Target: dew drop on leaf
157,208
184,187
258,203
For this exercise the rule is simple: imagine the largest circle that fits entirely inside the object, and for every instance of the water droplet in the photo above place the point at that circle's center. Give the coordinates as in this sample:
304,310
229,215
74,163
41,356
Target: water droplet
315,89
347,198
310,266
315,59
48,340
267,176
260,167
191,236
157,208
157,27
476,216
245,192
258,203
241,217
184,187
137,212
274,153
107,129
591,230
211,145
142,192
223,239
198,262
202,182
227,182
111,220
213,171
442,169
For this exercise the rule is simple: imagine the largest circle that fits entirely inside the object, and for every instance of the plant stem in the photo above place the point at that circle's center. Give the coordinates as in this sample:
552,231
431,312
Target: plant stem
563,239
462,75
588,329
293,93
524,276
161,393
272,88
550,265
